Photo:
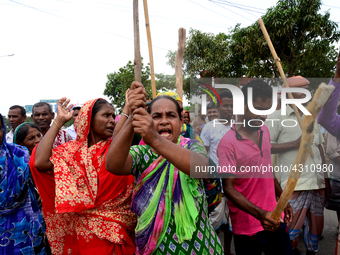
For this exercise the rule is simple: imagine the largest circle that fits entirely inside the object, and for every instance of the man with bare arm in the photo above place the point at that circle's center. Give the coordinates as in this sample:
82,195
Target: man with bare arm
252,194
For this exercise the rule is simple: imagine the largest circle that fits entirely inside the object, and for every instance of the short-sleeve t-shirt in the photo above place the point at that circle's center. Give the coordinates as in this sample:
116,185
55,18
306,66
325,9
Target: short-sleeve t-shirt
310,179
240,154
211,136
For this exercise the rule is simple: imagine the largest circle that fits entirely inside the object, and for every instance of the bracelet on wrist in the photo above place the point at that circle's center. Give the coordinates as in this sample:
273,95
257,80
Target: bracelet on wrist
123,113
56,124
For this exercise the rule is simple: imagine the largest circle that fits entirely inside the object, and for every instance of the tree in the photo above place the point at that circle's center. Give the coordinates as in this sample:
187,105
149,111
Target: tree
206,55
7,125
302,38
119,82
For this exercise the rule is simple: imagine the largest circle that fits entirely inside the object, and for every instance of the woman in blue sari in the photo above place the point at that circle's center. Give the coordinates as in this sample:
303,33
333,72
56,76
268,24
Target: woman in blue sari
22,228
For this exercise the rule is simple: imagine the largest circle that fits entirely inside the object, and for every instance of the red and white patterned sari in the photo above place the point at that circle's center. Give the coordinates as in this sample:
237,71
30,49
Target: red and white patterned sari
86,208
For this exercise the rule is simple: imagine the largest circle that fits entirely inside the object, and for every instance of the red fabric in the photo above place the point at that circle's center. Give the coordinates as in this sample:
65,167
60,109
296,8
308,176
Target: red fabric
86,208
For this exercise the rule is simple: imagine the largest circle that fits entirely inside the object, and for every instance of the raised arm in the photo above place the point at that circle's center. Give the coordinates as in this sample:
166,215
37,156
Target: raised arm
123,118
118,160
328,117
44,148
180,157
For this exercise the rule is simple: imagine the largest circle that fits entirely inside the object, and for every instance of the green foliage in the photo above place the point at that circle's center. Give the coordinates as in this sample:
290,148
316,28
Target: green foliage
206,55
301,36
29,119
8,126
67,124
165,81
119,82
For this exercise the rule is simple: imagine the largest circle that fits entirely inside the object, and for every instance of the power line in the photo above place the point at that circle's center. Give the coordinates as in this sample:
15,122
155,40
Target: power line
213,11
331,6
244,5
230,10
160,15
34,8
235,6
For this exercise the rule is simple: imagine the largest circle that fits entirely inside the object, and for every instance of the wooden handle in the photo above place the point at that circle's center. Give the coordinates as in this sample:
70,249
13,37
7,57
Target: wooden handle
179,60
279,66
321,96
137,62
148,33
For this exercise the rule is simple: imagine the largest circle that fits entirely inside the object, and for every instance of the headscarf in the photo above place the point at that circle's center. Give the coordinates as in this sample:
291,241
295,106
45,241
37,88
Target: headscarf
184,112
171,94
21,223
16,132
89,211
160,185
13,158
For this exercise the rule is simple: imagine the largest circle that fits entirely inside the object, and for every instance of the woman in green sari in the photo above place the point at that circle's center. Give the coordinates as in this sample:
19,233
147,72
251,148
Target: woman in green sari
169,204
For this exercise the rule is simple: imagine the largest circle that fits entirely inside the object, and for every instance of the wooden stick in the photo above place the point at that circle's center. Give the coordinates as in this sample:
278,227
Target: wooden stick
283,76
179,60
137,62
321,96
148,33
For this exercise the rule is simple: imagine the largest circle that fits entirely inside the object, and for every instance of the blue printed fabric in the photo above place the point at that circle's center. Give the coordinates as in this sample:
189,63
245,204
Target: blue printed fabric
22,228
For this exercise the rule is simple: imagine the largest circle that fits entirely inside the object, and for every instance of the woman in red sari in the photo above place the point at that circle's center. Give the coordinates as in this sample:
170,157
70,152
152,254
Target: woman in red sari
86,208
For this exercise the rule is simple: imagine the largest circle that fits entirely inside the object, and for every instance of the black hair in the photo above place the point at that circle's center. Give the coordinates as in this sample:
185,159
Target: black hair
178,108
223,94
39,104
211,105
76,108
21,133
98,105
338,111
261,89
22,109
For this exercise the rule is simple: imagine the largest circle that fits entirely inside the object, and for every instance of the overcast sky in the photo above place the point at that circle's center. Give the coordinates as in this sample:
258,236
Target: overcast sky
67,47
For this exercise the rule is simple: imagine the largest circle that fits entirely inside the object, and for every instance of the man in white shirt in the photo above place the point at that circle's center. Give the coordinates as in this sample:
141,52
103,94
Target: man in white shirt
71,129
211,136
16,116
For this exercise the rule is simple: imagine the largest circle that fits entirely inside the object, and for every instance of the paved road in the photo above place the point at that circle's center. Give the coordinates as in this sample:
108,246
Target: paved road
328,240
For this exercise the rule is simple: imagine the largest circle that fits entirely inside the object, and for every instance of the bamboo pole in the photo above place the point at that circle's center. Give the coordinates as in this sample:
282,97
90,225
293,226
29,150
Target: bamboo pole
283,76
137,62
179,60
321,96
148,33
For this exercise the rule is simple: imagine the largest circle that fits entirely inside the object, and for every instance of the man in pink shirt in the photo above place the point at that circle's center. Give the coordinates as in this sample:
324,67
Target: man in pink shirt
245,156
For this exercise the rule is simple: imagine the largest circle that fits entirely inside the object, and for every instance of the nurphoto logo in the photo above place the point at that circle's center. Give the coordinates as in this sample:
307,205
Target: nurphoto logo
238,102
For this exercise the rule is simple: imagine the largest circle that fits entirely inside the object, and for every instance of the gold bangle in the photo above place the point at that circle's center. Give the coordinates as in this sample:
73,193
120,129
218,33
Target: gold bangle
56,124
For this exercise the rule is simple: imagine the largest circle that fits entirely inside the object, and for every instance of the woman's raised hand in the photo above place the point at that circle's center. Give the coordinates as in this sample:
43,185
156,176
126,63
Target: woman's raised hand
143,125
64,113
136,96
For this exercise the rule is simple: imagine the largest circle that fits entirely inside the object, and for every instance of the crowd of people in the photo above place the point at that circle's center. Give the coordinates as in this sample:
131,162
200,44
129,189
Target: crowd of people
122,185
